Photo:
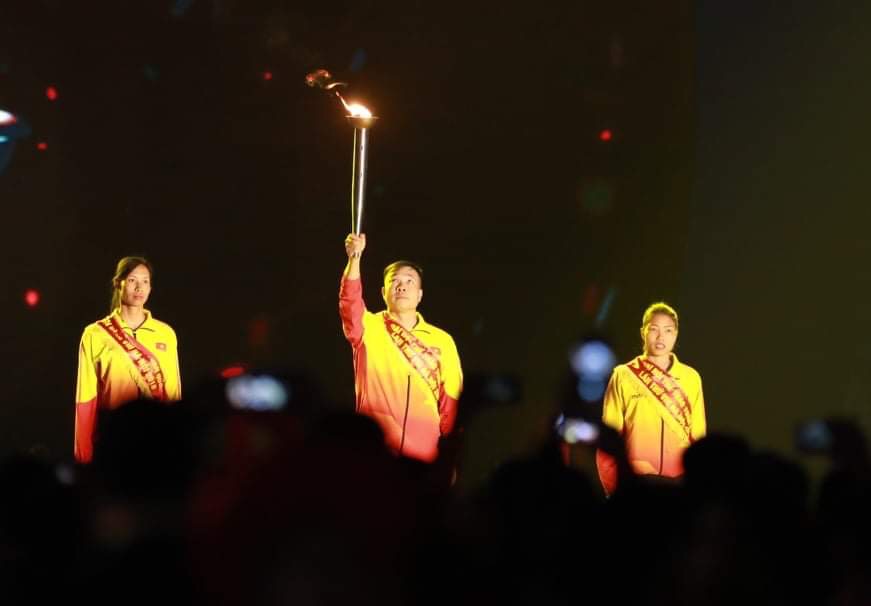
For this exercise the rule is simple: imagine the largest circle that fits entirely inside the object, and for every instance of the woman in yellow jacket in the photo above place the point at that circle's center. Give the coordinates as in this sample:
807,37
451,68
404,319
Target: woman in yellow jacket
655,402
125,356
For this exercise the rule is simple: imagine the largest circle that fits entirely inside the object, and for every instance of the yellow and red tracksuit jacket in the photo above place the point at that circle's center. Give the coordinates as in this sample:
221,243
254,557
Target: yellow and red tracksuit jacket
655,438
108,377
412,410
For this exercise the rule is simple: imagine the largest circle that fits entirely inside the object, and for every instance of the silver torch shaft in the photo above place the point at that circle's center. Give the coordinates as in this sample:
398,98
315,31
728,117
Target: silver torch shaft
358,174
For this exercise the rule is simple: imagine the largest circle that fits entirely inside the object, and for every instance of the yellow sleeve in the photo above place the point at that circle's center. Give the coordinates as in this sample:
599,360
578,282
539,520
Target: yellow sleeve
452,371
178,376
86,380
698,427
173,373
612,416
173,382
613,404
87,386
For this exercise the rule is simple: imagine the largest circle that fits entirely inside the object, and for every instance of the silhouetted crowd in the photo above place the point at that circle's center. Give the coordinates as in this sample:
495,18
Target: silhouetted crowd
196,503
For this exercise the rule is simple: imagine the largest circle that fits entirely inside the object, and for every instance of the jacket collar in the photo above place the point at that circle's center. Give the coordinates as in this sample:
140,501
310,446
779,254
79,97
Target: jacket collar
148,324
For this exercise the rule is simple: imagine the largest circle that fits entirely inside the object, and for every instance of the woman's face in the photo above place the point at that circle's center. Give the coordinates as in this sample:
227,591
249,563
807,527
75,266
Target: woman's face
136,287
660,336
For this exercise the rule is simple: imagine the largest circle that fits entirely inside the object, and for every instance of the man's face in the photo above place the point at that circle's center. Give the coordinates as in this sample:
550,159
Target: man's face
401,290
136,287
660,335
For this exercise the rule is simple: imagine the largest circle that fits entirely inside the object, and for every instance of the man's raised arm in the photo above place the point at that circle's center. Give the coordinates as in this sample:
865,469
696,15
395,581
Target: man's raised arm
351,305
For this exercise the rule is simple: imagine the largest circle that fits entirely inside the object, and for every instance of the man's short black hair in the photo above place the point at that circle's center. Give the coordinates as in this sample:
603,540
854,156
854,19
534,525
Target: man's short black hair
403,263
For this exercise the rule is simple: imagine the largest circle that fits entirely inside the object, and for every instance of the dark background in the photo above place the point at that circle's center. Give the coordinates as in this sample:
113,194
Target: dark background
734,186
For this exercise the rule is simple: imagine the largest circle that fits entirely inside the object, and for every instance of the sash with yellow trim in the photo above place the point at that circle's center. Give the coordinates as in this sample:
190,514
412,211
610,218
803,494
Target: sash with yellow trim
142,359
664,388
422,358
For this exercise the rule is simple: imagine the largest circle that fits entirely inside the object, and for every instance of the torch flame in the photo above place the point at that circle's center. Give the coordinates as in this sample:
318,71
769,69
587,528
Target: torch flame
356,110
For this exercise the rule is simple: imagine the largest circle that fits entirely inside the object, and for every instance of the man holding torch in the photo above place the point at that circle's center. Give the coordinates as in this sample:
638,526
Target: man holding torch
407,372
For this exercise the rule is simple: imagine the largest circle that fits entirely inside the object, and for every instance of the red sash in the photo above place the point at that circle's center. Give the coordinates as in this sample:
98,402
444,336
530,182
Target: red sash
664,388
423,359
142,359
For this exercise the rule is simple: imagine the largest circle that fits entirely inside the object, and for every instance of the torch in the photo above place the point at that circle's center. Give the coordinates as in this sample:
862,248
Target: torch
362,120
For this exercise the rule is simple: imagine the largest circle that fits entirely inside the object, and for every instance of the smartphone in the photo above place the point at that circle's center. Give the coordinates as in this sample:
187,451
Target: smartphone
260,392
574,430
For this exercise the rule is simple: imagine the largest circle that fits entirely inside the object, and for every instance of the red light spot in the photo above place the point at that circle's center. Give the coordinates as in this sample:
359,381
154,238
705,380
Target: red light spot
605,135
590,299
31,297
42,146
232,371
258,332
267,76
51,93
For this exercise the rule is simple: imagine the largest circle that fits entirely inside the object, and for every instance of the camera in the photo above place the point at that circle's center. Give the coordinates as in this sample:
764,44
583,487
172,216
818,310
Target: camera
575,430
257,392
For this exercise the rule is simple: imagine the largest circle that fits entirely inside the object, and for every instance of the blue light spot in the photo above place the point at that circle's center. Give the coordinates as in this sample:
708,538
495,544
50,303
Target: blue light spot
12,128
358,60
180,7
591,391
6,155
593,360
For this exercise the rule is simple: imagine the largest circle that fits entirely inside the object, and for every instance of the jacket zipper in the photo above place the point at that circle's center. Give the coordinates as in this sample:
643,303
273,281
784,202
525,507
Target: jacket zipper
405,418
661,443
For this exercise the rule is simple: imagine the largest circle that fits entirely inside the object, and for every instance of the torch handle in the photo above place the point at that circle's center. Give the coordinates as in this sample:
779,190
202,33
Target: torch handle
358,183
